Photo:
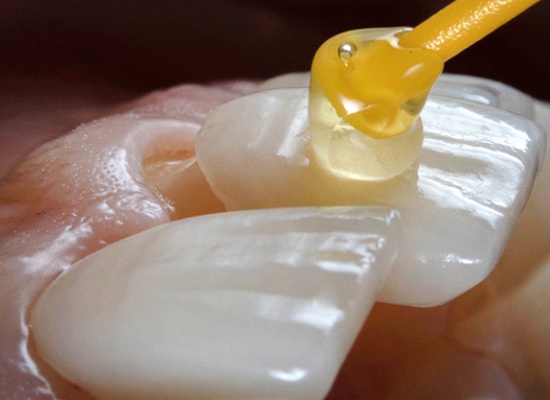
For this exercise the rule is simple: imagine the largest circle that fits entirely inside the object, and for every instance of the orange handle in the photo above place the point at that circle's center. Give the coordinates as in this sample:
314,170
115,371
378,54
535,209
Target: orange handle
462,23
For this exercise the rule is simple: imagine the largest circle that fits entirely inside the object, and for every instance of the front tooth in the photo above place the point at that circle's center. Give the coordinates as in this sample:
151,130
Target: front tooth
459,204
241,305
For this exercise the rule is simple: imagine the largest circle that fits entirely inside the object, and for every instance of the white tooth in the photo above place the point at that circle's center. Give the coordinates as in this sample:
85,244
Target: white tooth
242,305
459,203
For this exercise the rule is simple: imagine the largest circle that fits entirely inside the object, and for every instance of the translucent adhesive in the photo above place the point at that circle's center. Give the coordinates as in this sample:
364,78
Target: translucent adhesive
366,93
348,153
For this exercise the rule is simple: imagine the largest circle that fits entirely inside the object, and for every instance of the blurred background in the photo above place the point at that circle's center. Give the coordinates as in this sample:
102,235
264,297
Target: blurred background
142,45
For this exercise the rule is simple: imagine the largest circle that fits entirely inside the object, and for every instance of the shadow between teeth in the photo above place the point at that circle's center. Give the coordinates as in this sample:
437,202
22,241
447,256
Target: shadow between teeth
239,305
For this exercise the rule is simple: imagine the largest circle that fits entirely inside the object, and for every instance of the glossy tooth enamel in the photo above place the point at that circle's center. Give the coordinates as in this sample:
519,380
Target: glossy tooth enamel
241,305
459,202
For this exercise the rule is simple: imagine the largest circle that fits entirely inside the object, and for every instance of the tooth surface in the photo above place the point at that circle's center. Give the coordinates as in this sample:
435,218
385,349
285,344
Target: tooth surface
240,305
459,203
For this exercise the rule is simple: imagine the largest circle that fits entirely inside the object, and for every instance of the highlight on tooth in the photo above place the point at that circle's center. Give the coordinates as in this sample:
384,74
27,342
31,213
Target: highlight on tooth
251,304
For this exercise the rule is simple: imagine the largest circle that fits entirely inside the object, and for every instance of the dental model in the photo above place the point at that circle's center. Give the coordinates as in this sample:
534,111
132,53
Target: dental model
272,336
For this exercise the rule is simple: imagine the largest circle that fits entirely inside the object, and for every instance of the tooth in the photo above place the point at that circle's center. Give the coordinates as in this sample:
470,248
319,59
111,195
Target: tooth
459,204
254,304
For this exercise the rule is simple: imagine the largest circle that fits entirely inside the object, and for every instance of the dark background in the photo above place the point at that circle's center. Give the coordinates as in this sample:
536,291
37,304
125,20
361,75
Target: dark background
144,45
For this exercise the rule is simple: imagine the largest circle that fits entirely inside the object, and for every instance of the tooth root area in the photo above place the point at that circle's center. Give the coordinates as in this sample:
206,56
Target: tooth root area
253,304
